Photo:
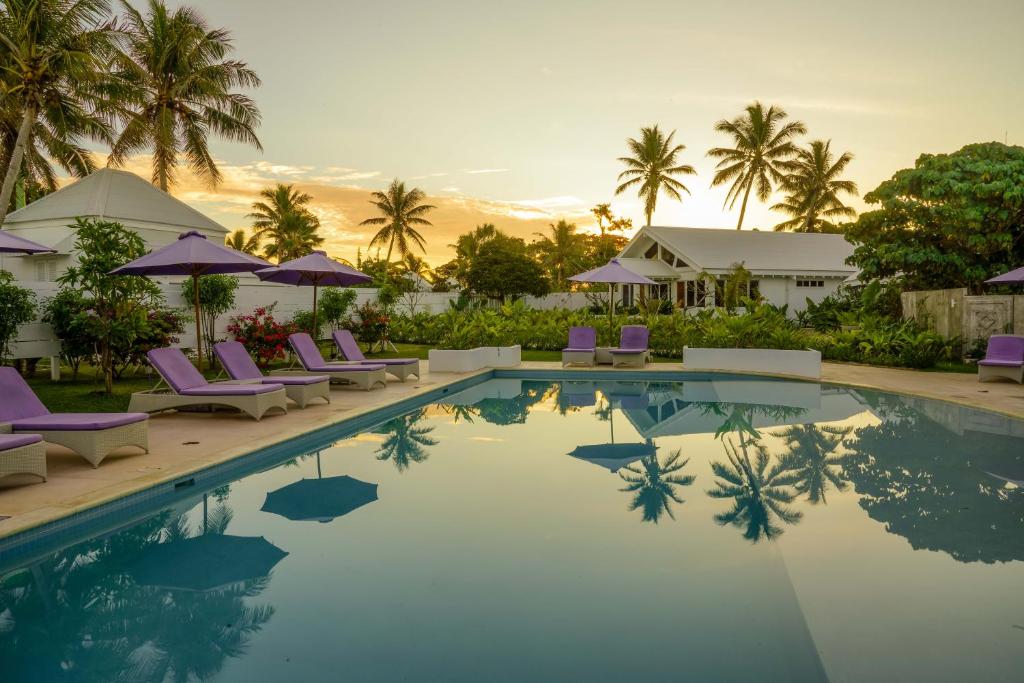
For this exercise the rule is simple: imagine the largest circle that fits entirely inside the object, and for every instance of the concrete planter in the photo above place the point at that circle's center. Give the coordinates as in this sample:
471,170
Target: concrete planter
769,361
469,360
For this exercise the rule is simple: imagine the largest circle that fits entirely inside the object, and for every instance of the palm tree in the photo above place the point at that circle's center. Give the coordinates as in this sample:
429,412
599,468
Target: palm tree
812,460
560,251
240,241
284,220
763,146
400,211
180,82
406,443
467,246
652,166
603,214
813,188
52,67
655,484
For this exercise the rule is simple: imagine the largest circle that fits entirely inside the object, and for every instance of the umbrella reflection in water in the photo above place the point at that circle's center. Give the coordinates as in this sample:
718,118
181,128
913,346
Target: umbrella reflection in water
321,499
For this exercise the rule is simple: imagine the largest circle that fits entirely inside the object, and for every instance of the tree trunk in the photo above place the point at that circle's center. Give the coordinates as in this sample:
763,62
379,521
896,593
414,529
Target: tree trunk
14,167
743,207
161,175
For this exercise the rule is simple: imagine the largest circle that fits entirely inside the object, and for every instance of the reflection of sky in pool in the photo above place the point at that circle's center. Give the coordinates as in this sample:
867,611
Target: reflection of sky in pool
577,531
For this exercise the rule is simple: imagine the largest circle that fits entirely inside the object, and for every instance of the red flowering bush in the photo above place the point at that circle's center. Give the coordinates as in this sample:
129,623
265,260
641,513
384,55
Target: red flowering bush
369,324
265,338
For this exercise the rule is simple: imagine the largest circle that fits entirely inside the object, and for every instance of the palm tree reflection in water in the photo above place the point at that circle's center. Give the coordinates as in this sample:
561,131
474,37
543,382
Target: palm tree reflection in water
406,442
654,484
811,458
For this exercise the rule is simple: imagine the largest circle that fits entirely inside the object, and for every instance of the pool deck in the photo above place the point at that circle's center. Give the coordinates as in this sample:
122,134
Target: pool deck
181,443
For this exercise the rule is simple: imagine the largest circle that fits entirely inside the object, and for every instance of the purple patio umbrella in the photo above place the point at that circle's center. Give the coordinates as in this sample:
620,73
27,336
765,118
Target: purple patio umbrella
1014,277
313,270
194,255
12,244
612,273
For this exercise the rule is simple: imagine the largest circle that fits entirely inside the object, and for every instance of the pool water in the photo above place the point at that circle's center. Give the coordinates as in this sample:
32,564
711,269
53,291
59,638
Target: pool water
537,530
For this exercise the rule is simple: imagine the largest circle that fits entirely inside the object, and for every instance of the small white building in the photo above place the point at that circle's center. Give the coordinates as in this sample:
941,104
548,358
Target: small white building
691,265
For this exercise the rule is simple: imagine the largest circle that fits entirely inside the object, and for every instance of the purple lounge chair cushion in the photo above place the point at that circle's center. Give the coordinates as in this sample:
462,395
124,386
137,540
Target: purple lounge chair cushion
306,351
236,361
293,380
1004,348
231,389
581,339
17,400
176,369
633,338
9,441
349,350
335,369
76,422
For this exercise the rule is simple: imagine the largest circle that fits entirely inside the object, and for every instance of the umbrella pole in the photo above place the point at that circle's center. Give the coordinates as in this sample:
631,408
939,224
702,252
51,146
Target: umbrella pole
315,329
611,310
199,334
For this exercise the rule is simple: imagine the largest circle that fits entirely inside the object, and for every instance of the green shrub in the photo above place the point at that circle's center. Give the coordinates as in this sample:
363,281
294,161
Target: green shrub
17,307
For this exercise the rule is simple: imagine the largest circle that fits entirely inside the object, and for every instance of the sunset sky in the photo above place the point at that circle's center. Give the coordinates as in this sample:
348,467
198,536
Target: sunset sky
515,112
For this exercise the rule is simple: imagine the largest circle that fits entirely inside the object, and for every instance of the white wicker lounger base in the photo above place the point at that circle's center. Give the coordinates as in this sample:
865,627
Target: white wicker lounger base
638,359
95,445
256,405
404,371
364,379
578,358
30,459
987,373
304,393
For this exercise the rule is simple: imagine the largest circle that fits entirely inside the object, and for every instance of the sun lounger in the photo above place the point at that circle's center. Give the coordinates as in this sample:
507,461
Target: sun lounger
582,347
187,388
365,376
1004,358
632,349
91,435
22,454
349,350
240,367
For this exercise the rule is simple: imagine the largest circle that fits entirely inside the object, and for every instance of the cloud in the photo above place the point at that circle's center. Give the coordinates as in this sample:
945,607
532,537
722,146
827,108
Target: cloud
480,171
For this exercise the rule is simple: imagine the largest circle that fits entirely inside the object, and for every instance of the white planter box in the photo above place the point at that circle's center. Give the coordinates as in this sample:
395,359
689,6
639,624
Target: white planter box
469,360
768,361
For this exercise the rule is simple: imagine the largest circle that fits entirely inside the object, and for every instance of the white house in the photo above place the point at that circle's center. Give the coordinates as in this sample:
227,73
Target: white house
786,268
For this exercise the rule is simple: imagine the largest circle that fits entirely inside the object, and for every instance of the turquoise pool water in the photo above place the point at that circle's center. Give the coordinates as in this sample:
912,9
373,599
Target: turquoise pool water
537,530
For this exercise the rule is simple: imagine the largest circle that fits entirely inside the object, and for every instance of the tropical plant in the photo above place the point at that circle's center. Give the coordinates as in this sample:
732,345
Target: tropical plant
62,312
240,241
283,219
502,269
53,83
335,303
760,155
17,307
654,484
216,297
561,252
406,441
265,338
370,324
651,168
401,210
811,458
179,83
812,188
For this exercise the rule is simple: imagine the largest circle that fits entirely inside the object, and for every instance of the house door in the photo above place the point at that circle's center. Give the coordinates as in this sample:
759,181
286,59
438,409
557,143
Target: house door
681,293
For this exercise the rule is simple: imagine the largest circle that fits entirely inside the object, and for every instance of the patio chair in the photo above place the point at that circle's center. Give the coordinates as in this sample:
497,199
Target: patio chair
1004,358
582,347
22,454
240,367
349,350
365,376
187,388
92,435
632,349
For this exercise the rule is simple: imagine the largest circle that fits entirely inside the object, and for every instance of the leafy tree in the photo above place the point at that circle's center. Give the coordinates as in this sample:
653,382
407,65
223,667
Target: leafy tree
179,83
62,312
654,484
401,210
335,303
118,306
503,269
467,246
652,167
53,70
240,241
216,297
954,220
283,219
760,155
561,251
812,190
17,307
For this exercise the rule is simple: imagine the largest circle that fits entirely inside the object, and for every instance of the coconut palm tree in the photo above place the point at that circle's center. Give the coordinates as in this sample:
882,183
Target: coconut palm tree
406,442
812,460
560,251
52,69
652,167
400,210
603,214
285,222
180,92
654,484
240,241
813,187
760,155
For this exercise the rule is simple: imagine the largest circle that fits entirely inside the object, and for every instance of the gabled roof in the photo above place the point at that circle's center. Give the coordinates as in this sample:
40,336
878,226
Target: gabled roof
776,252
115,195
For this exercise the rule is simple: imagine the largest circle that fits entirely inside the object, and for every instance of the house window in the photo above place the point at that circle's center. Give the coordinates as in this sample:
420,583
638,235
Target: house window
680,263
652,252
668,257
627,295
754,289
46,270
696,294
802,282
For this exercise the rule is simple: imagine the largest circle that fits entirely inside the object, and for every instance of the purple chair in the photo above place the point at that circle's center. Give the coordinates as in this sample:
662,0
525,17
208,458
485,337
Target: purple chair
364,376
632,348
349,350
240,367
582,347
1004,358
22,454
91,435
186,387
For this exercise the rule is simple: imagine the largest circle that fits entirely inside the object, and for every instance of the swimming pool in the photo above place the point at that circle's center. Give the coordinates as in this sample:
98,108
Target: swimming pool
540,529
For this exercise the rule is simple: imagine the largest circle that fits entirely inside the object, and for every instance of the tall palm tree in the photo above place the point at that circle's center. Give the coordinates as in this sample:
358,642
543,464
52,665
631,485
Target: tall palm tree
284,220
400,210
560,251
603,214
52,67
181,83
762,147
240,241
652,167
813,187
406,442
812,460
655,484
